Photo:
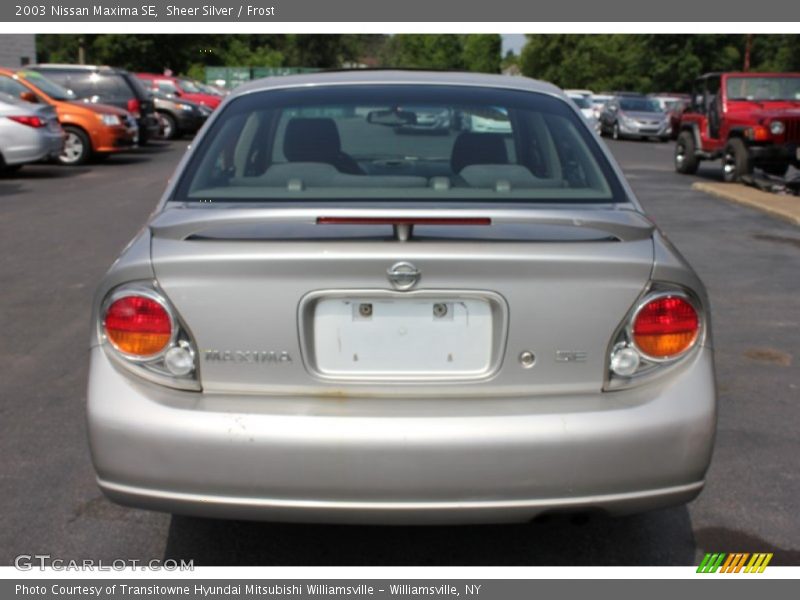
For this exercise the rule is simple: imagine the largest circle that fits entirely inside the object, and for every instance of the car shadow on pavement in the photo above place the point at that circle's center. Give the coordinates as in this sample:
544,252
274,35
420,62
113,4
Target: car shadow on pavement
711,171
715,539
158,146
8,188
657,538
37,171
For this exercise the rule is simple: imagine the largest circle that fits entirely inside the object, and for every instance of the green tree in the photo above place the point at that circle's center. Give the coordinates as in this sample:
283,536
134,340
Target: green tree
481,52
649,63
423,51
321,51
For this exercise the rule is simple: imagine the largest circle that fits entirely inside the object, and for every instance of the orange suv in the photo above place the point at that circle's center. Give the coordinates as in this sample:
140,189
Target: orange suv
92,130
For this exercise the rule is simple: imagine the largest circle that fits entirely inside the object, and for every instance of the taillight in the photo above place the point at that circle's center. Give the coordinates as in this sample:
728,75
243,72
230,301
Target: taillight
138,326
134,106
29,121
140,330
665,327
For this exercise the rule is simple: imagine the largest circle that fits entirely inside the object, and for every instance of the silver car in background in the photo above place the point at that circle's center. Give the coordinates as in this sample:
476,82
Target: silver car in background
28,133
329,320
632,116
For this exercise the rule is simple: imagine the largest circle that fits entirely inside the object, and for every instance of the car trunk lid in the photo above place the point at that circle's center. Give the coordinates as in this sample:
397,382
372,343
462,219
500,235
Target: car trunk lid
302,301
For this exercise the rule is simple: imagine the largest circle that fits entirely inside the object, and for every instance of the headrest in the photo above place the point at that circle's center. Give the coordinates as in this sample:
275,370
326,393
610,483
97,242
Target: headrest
311,140
478,149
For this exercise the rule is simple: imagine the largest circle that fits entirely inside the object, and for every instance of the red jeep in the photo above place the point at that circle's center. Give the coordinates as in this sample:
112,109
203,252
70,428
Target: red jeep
746,119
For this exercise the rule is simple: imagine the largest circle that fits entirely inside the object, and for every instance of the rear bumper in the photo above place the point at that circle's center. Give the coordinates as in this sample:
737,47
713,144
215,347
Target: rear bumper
353,512
640,131
33,146
401,460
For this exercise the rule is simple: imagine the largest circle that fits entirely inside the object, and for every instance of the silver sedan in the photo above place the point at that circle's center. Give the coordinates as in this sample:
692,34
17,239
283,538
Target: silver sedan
330,319
28,133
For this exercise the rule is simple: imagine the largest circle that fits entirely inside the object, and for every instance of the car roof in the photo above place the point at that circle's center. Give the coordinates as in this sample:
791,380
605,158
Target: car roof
398,76
71,67
155,76
748,74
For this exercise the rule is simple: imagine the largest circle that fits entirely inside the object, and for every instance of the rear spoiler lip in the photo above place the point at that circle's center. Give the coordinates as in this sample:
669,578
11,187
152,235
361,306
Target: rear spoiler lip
182,223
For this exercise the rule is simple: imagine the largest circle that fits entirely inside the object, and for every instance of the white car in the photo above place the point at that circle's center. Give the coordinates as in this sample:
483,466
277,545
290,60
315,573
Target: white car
28,133
667,103
584,104
588,94
598,103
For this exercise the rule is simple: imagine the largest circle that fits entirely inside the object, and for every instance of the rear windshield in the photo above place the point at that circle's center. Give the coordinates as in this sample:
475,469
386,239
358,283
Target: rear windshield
190,87
51,88
763,88
91,84
639,104
398,142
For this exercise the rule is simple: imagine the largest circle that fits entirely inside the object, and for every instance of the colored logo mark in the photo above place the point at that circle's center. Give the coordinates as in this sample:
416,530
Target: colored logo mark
734,562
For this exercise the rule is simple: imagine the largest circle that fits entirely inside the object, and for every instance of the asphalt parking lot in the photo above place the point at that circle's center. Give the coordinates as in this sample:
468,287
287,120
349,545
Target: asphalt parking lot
60,229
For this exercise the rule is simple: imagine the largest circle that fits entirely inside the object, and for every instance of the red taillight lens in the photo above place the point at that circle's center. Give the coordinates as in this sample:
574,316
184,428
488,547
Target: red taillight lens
134,106
665,327
29,121
138,326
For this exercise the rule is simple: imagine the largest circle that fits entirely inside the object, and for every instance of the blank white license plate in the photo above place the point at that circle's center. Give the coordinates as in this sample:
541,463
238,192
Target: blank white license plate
404,337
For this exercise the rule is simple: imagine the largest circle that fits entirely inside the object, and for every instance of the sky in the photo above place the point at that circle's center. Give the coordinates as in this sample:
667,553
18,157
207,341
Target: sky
513,41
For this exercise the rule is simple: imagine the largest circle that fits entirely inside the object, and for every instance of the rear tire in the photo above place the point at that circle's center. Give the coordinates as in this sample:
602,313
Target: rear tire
77,147
686,160
736,161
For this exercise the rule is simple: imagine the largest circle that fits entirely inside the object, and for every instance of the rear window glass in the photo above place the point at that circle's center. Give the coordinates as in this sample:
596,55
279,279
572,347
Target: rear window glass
11,87
639,104
92,84
398,142
51,88
166,87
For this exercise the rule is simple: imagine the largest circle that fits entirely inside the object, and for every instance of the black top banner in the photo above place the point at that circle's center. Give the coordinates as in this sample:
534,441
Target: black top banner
256,11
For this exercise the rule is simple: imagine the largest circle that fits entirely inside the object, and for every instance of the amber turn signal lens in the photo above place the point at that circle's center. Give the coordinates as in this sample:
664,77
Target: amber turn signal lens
138,326
665,327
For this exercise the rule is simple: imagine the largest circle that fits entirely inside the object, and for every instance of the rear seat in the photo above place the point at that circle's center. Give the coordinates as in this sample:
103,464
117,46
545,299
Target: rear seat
301,175
503,178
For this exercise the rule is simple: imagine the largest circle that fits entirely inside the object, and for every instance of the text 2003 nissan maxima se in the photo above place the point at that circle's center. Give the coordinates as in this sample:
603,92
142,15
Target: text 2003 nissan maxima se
338,315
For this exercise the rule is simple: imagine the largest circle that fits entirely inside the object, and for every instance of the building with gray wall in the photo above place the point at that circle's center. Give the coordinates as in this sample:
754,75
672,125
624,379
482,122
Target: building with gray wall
17,50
